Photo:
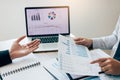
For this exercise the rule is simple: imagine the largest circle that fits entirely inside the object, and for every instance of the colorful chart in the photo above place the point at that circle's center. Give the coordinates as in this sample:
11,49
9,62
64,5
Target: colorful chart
51,15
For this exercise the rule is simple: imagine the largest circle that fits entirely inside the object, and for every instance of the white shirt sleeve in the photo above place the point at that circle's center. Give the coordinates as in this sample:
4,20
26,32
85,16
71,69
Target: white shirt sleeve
108,42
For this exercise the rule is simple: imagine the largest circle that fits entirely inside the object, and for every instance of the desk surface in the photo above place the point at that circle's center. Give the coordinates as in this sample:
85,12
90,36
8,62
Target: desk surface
45,56
42,56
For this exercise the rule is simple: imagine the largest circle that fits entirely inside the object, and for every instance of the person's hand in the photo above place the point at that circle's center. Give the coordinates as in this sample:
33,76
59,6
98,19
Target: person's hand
18,50
108,65
84,41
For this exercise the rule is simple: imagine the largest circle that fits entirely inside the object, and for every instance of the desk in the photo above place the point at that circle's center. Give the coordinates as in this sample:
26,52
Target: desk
19,75
42,56
45,56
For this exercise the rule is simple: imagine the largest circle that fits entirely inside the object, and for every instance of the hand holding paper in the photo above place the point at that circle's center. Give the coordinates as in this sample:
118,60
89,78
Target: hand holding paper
75,59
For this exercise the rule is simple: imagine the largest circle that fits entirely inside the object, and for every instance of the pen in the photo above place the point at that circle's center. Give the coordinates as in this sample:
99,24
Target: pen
57,59
101,72
51,73
1,77
69,76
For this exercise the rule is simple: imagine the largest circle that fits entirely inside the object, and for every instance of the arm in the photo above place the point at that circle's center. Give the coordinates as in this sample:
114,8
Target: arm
18,50
103,43
5,58
106,42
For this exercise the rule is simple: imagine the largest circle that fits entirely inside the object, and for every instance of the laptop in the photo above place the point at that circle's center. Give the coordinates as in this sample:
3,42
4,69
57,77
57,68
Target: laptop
46,23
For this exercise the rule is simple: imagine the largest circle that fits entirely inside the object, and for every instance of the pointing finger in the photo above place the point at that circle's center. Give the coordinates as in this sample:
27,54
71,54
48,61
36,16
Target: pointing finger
99,60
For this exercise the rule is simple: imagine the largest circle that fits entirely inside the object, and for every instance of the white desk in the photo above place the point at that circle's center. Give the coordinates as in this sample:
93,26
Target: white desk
42,56
45,56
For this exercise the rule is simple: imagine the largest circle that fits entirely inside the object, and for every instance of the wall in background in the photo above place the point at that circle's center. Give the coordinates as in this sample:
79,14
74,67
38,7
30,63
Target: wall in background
94,18
88,18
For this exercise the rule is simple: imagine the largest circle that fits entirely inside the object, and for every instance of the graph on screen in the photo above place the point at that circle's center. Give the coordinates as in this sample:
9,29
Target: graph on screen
47,21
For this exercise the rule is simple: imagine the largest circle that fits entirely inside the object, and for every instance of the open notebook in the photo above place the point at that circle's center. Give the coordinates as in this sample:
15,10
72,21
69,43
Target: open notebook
25,68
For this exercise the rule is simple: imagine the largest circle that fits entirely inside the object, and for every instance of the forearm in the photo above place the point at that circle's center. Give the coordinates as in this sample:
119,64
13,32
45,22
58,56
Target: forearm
5,58
104,42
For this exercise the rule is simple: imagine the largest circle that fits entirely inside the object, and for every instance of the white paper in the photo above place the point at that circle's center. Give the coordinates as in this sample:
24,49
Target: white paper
53,66
109,77
98,53
75,59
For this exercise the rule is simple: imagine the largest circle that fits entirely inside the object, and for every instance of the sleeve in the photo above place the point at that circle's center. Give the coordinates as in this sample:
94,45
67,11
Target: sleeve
5,58
108,42
104,42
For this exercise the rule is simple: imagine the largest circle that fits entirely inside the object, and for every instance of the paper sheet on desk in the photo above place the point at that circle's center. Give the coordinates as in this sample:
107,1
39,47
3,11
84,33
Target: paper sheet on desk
53,66
109,77
75,59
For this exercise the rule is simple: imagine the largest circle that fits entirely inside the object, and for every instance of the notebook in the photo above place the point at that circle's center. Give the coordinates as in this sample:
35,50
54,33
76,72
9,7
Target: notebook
46,23
24,68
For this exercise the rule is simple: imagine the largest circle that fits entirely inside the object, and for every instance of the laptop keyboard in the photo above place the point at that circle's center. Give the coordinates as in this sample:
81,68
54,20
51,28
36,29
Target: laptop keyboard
48,39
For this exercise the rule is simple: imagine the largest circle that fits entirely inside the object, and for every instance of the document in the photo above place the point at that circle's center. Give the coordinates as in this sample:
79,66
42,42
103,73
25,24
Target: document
77,64
75,59
109,77
54,69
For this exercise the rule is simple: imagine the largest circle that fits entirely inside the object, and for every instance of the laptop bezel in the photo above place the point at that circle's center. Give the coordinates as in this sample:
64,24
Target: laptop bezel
26,8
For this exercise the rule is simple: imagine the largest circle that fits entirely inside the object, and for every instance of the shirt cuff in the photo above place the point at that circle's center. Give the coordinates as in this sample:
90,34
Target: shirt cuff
5,57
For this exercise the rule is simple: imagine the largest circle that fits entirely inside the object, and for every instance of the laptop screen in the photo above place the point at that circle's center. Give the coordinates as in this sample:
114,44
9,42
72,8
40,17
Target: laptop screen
41,21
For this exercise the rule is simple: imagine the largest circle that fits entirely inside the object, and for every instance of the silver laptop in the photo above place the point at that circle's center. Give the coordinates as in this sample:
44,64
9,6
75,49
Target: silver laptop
46,23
